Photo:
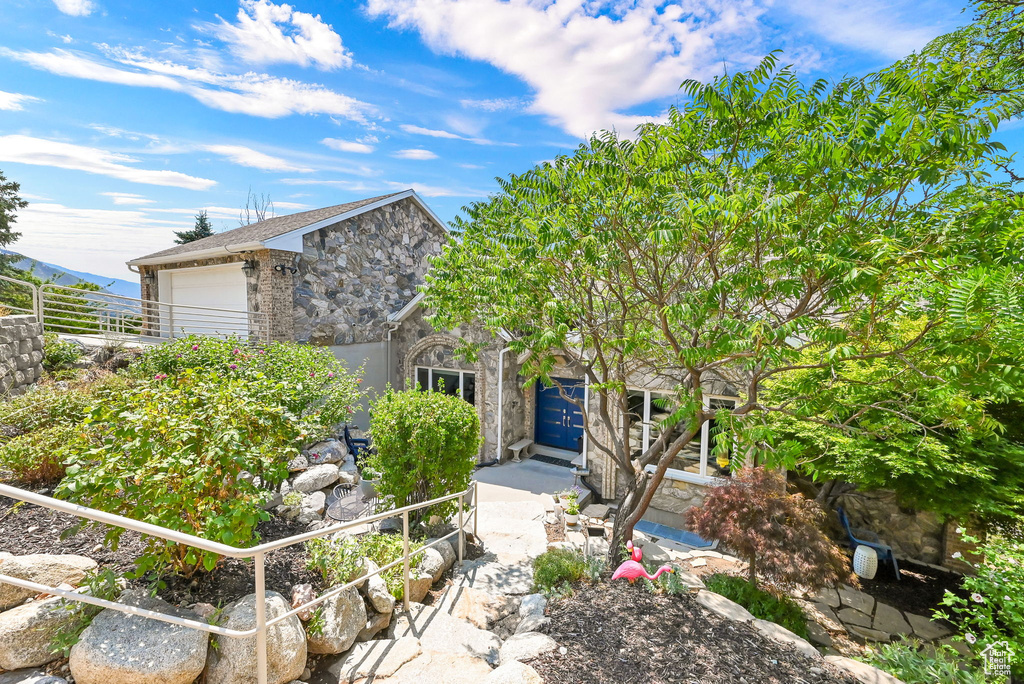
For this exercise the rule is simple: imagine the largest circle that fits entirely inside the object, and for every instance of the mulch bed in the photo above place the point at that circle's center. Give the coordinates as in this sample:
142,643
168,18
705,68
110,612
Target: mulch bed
32,529
920,590
615,632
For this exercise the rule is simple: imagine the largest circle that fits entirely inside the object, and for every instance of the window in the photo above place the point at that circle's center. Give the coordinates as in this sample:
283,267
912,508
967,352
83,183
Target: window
457,383
648,409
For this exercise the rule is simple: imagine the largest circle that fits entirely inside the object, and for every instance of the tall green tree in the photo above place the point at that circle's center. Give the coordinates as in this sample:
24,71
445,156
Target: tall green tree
767,229
201,230
10,203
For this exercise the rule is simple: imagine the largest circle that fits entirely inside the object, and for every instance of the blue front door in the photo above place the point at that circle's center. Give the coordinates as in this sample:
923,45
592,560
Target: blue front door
559,422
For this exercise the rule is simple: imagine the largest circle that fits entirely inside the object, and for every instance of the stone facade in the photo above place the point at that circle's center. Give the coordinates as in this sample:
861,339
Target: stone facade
353,274
21,354
911,534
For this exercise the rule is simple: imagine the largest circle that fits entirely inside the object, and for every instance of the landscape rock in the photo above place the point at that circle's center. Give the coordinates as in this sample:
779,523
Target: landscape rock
379,659
315,477
446,549
863,672
301,595
42,568
342,617
235,661
378,594
890,620
477,607
118,648
856,599
26,631
315,501
533,604
533,623
419,585
375,622
329,451
440,632
723,607
31,676
514,672
784,636
297,464
347,477
526,646
818,634
923,627
868,634
851,616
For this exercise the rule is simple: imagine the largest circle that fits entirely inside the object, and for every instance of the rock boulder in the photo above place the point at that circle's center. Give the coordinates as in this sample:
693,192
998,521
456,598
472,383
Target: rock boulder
315,477
234,662
43,568
339,621
525,646
26,631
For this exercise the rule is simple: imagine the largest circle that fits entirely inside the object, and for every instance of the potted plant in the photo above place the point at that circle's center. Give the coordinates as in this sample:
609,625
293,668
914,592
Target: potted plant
368,480
572,509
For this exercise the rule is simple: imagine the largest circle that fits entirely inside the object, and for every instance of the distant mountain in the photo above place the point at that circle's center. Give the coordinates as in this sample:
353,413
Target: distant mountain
66,276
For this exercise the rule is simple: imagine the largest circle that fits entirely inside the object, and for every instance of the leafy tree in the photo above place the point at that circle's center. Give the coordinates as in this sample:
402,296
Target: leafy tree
767,228
10,203
779,534
201,230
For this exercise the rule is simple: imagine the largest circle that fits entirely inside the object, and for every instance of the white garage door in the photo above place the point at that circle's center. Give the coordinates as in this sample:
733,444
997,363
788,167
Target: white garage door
213,287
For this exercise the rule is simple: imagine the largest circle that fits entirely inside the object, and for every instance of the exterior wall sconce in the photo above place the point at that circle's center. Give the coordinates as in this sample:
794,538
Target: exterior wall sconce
249,267
282,268
149,278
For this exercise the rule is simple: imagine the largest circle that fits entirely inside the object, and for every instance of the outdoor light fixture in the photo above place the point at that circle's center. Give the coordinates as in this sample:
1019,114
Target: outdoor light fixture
282,268
249,267
149,277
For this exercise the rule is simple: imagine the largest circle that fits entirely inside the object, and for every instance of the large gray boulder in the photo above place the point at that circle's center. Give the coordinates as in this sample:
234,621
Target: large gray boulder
378,594
315,477
43,568
526,646
339,622
118,648
328,451
442,633
447,553
26,631
419,585
513,672
32,676
234,662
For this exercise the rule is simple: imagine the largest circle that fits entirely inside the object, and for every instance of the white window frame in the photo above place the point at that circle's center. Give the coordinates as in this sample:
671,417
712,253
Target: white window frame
430,377
705,436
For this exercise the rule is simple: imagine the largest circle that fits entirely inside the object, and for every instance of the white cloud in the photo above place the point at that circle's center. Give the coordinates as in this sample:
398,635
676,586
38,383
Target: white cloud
24,149
589,63
418,154
469,166
500,104
94,240
211,211
246,156
76,8
13,102
448,135
347,145
269,34
250,93
370,187
870,25
126,198
290,205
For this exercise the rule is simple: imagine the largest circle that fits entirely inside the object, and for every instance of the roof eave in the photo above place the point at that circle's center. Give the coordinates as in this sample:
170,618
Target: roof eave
209,253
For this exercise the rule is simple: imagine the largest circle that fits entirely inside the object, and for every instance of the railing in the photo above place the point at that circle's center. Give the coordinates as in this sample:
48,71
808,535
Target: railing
13,286
257,553
83,312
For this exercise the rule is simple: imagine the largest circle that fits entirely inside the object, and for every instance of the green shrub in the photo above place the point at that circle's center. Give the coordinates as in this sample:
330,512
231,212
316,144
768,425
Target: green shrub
171,451
911,665
335,559
37,458
427,445
992,610
59,354
555,570
49,405
104,584
306,380
762,604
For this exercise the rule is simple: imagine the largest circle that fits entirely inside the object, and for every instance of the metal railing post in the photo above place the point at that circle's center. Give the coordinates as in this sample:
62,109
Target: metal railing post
405,554
261,621
476,509
462,531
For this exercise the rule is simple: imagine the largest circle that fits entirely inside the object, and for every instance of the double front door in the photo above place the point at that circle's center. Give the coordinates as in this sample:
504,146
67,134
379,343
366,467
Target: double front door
559,422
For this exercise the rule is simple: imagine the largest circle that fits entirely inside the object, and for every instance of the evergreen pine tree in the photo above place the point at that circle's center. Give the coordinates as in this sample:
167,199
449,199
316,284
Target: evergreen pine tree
202,229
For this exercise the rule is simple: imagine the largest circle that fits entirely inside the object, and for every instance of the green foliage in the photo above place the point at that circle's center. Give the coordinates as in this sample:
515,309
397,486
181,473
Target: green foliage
774,607
911,664
38,457
292,498
101,583
10,203
59,354
555,570
170,452
337,560
307,381
201,230
316,624
427,445
993,610
387,548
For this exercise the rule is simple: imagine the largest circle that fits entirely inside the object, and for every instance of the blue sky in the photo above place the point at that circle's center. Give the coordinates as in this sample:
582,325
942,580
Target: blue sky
121,120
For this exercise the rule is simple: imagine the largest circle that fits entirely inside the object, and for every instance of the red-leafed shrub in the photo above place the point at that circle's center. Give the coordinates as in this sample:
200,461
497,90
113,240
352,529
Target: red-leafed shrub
779,534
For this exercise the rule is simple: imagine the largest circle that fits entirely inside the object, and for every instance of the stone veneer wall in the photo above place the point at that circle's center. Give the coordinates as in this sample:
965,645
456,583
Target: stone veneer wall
353,274
912,534
21,354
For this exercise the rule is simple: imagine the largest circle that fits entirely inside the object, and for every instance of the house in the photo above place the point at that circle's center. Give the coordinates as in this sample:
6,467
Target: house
346,277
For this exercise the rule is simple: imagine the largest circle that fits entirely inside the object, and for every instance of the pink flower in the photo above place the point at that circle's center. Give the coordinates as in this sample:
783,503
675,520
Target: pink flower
360,380
236,351
312,374
331,374
195,347
233,367
159,376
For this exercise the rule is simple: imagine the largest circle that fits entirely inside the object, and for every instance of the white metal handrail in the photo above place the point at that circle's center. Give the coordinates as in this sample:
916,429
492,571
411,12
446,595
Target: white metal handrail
257,553
34,294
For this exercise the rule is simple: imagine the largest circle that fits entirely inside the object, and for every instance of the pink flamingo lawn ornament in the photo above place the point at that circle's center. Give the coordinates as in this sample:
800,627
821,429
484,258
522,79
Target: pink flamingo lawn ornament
632,570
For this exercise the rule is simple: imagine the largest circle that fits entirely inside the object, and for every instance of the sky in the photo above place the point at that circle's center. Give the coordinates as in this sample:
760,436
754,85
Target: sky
122,120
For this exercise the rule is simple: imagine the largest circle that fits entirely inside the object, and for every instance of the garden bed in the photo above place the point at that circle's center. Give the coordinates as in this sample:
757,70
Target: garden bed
33,529
615,632
920,589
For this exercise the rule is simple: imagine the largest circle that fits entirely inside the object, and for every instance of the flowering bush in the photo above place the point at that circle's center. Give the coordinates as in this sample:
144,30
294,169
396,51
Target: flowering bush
993,611
171,452
779,534
427,444
306,380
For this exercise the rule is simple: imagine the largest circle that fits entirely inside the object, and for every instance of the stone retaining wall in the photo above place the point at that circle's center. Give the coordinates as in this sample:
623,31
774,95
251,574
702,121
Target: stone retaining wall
21,354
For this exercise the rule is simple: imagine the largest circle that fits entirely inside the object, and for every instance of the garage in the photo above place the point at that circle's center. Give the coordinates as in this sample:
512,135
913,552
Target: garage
209,287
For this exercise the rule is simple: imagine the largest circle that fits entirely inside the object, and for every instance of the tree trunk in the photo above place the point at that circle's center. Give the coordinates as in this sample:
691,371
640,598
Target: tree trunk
752,571
622,531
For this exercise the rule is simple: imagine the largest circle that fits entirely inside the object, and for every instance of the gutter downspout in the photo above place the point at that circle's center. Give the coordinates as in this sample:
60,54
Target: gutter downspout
501,412
394,325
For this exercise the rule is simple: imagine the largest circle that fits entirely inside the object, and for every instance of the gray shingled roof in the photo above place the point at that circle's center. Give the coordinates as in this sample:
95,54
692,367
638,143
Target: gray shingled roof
264,230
